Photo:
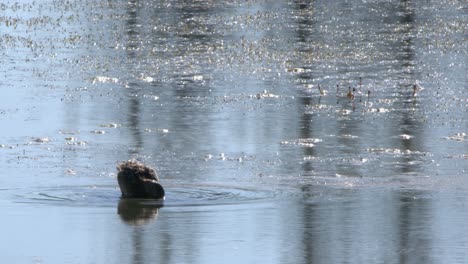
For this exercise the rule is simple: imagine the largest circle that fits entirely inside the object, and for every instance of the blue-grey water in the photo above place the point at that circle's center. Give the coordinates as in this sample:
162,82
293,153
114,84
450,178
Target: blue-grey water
222,98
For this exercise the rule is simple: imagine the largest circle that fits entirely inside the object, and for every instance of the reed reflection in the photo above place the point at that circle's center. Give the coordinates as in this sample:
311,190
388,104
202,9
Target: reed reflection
341,228
189,120
133,39
411,130
415,213
308,122
414,229
305,27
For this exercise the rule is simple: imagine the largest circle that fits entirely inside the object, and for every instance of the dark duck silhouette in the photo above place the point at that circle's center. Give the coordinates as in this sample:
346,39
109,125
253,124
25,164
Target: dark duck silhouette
137,180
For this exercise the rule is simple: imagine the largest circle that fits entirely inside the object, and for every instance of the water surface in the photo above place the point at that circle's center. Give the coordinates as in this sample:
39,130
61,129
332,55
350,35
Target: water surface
222,99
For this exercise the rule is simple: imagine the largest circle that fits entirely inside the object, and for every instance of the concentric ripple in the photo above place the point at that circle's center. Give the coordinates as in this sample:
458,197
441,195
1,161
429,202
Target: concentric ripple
109,196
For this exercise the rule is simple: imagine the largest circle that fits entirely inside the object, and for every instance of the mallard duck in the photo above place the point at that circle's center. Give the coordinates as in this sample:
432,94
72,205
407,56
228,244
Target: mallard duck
137,180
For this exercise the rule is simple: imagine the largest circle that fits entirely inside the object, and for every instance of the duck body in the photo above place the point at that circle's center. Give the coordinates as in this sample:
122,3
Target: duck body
137,180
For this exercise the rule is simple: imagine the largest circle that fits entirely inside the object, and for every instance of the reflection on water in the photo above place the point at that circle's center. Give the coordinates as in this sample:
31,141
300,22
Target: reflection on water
138,212
222,98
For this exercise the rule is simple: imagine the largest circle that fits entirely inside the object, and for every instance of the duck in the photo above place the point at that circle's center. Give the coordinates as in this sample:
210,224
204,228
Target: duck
137,180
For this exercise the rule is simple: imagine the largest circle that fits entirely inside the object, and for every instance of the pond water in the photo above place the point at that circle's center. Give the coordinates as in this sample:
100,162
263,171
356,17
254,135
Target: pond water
222,98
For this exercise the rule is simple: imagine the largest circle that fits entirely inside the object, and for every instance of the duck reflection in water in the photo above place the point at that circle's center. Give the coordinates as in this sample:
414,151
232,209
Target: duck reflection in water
138,211
138,183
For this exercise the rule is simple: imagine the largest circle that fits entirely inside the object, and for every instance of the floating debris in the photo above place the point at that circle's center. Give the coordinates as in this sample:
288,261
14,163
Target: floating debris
222,156
347,136
308,142
147,79
70,172
111,125
344,112
396,151
70,138
416,89
42,140
77,143
208,157
387,101
319,107
458,137
197,77
377,110
265,94
295,70
152,97
160,130
98,132
104,79
305,142
68,132
384,150
405,136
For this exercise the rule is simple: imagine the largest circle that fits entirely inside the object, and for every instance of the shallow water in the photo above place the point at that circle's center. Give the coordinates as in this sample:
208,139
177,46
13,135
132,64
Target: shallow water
222,99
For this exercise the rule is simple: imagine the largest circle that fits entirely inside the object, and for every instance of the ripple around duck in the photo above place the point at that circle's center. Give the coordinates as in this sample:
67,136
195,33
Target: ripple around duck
214,195
109,196
69,196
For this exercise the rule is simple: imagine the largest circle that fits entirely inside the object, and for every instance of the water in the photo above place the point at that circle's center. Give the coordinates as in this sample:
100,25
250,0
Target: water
222,99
